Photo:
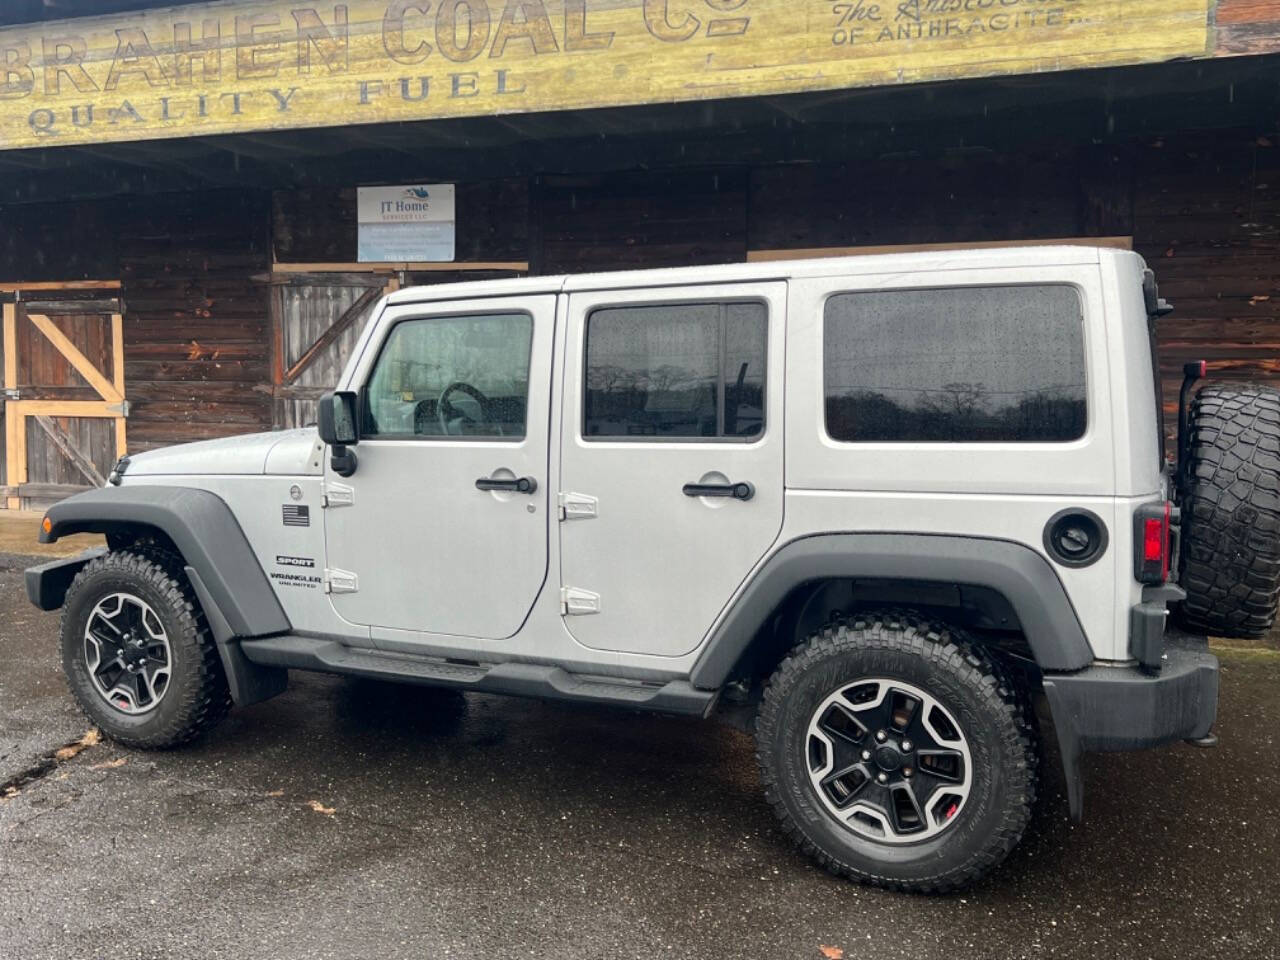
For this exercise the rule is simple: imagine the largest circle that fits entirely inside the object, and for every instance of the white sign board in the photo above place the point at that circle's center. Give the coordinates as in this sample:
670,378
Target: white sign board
412,223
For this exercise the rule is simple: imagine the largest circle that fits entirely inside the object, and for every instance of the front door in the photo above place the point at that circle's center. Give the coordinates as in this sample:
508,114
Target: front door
446,529
672,459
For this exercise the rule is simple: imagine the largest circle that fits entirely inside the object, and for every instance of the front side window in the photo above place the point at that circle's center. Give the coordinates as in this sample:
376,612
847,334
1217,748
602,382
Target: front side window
681,371
965,364
447,377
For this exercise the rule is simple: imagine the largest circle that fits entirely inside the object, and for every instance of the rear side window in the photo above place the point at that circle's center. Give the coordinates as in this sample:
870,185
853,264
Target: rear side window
675,371
962,364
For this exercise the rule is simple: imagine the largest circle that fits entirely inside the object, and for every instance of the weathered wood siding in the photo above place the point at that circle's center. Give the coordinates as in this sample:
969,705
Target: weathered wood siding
195,322
59,241
959,198
1207,219
197,350
635,220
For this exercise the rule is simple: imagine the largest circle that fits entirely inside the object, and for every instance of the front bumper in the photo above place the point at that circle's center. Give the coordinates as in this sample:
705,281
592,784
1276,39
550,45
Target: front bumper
47,583
1108,708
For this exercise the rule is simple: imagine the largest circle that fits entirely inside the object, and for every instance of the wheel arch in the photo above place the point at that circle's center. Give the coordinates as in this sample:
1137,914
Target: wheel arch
997,579
202,529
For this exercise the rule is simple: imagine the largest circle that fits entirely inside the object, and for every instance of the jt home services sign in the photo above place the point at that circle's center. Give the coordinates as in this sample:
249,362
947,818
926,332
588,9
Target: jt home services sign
228,67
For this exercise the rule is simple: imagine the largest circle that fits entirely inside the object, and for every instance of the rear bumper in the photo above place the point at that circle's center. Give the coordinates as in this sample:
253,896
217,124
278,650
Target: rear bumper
1109,708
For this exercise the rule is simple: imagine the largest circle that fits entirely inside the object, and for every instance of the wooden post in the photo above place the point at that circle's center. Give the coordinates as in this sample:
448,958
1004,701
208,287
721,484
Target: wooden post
277,337
117,352
117,364
10,346
14,427
16,448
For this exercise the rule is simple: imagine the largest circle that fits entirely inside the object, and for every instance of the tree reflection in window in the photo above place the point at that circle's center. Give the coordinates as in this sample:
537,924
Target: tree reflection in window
676,371
965,364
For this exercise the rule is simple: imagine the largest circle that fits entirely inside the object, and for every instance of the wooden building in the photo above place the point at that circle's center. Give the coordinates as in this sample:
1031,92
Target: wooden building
178,187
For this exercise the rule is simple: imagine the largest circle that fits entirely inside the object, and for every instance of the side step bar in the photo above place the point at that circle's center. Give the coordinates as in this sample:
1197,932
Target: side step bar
517,679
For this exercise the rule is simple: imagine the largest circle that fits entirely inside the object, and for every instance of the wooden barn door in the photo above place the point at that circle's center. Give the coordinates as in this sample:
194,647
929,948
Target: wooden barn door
65,404
318,311
316,320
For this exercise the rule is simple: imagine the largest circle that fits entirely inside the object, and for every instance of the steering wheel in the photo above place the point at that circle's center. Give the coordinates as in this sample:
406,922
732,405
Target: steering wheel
446,410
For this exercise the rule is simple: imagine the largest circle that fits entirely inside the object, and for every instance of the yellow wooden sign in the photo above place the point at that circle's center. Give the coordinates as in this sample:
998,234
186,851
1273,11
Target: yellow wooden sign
215,68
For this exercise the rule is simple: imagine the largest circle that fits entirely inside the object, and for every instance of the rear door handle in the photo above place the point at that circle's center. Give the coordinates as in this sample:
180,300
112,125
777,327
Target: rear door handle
738,491
514,485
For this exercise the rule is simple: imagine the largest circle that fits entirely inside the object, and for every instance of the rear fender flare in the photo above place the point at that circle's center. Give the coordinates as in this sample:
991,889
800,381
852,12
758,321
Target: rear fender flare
1022,575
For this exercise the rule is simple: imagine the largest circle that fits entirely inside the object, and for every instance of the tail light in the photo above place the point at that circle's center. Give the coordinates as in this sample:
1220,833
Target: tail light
1155,526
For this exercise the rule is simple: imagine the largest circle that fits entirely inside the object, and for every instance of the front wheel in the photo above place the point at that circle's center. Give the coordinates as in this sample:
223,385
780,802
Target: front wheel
896,754
137,655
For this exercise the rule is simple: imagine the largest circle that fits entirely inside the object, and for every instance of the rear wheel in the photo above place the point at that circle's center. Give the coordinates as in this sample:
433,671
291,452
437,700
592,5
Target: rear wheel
137,655
1230,558
895,753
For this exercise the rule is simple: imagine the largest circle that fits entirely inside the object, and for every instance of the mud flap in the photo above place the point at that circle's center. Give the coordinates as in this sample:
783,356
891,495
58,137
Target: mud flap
1115,708
249,682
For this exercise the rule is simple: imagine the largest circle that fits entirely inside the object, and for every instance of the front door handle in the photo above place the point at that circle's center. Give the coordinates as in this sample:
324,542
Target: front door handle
738,491
514,485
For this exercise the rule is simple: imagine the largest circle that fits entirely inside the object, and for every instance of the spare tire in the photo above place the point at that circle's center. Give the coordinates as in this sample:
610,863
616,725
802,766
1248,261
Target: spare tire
1230,556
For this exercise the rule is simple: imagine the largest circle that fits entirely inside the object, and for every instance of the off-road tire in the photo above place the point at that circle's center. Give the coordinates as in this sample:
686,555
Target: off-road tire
936,658
197,696
1230,557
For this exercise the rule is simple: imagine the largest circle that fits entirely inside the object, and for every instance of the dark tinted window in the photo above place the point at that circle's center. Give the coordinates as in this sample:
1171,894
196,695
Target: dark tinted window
961,364
674,371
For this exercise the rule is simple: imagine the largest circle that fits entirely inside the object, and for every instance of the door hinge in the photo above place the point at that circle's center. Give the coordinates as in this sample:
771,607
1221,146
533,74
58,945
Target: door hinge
576,602
577,506
340,581
121,408
338,495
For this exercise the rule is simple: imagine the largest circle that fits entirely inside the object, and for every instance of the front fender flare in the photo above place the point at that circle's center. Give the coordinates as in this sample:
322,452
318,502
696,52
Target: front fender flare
204,530
1022,575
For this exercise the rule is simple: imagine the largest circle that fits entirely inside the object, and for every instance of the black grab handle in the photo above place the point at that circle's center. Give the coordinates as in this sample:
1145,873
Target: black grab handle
738,491
515,485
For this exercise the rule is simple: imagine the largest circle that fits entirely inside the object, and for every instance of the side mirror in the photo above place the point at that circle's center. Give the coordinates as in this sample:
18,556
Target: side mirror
336,422
336,418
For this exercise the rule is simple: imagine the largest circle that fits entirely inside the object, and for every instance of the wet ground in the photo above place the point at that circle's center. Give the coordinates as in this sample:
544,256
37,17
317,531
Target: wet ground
354,820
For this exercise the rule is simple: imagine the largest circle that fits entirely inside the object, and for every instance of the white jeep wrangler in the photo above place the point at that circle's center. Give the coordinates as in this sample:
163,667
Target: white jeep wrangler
881,503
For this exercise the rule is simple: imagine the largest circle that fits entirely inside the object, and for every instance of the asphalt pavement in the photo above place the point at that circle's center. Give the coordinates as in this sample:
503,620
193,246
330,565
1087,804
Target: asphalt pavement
357,820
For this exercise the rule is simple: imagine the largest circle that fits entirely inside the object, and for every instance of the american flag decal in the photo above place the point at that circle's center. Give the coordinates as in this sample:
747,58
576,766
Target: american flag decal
296,515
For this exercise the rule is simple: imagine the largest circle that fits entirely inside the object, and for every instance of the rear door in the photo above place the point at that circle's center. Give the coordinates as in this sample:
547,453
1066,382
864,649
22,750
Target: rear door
671,474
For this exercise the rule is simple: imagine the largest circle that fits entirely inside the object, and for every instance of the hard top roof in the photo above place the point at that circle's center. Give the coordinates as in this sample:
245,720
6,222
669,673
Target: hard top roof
916,262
